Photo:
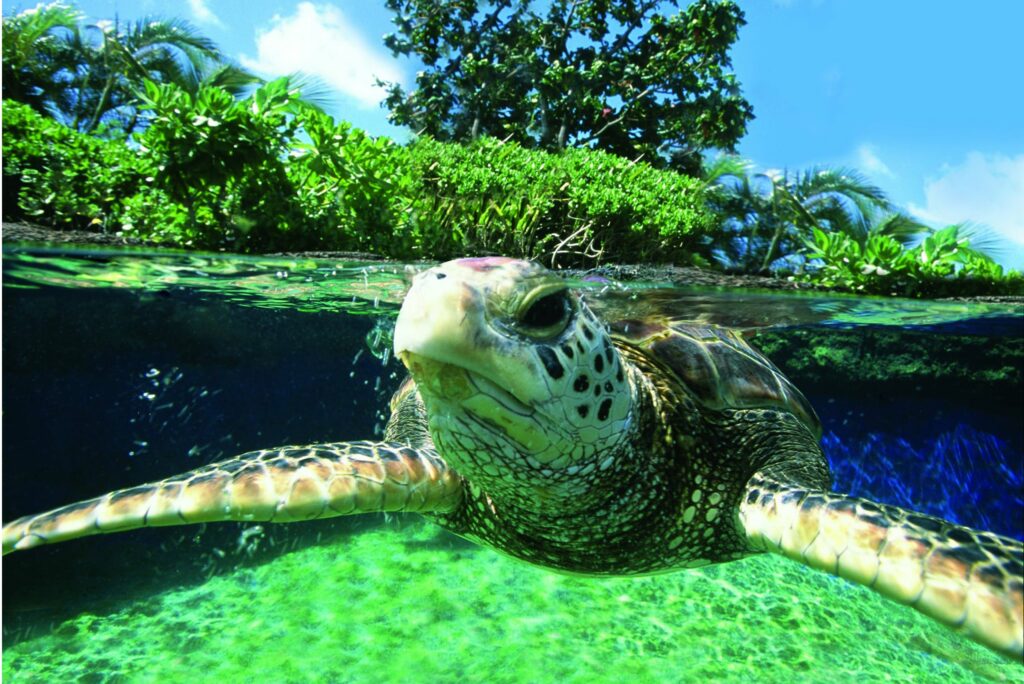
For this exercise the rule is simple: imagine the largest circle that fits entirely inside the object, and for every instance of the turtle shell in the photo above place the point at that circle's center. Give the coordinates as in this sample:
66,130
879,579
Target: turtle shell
718,367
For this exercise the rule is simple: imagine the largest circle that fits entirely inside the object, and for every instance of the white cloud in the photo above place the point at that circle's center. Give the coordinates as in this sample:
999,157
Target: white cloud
203,14
868,161
320,41
985,189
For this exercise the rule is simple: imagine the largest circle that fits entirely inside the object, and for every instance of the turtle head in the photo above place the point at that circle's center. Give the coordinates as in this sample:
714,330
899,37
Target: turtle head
525,393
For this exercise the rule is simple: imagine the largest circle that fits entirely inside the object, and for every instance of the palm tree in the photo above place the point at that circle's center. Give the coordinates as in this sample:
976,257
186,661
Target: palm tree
89,74
166,51
833,200
37,47
746,203
771,215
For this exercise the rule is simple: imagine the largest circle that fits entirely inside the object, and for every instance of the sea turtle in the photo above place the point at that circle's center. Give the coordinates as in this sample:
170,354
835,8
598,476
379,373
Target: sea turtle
622,448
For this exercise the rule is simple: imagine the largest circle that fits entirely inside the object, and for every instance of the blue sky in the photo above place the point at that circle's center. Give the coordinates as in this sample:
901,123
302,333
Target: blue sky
924,96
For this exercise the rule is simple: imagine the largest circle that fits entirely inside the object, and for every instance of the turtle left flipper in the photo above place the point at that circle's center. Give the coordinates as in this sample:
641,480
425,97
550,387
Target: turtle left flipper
288,484
969,580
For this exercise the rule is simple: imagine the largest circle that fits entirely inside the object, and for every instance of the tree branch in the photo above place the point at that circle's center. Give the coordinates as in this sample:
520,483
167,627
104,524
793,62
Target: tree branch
617,120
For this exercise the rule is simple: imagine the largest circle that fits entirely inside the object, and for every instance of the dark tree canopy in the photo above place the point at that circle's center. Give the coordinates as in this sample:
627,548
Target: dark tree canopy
618,75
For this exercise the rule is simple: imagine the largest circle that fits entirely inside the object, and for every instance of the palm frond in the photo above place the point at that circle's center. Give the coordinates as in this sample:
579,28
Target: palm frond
178,32
23,32
725,166
232,77
170,48
983,241
313,91
902,227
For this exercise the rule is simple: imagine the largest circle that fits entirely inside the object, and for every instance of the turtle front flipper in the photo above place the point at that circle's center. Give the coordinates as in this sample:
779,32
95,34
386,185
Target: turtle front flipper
288,484
971,581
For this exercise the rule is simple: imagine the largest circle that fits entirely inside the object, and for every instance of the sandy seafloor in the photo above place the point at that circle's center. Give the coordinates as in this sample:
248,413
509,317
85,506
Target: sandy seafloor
408,602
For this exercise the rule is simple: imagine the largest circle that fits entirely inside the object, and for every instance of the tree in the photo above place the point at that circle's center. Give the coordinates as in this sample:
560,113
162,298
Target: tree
623,77
166,51
37,45
85,75
770,215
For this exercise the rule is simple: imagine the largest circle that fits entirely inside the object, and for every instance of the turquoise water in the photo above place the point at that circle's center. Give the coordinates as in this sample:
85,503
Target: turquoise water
122,368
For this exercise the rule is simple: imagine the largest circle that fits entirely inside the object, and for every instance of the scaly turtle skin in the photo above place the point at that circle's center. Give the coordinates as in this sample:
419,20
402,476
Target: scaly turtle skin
623,449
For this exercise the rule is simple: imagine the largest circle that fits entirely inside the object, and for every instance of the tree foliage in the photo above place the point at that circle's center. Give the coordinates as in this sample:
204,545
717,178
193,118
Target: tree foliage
37,45
91,75
623,77
770,216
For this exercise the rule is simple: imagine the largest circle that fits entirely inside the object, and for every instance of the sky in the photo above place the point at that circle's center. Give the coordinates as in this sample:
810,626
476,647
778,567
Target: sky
923,96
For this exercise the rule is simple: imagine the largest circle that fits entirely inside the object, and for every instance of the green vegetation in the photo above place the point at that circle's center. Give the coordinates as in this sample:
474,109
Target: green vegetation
57,177
942,264
418,605
222,173
87,76
272,173
186,149
834,228
768,216
626,78
577,206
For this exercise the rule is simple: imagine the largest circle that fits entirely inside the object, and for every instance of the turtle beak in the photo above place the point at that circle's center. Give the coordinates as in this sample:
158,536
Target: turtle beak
445,319
444,337
436,317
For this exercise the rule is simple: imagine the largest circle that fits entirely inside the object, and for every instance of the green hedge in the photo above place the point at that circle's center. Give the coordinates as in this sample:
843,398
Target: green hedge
57,177
576,206
269,173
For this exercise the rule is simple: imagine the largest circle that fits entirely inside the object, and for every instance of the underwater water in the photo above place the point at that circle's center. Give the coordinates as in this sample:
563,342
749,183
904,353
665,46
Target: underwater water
123,368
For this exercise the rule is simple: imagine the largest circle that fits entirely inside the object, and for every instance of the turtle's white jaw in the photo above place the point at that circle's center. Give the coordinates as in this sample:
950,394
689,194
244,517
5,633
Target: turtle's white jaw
520,380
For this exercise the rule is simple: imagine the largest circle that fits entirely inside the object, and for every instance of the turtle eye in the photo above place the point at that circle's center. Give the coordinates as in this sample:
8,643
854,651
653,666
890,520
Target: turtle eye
548,315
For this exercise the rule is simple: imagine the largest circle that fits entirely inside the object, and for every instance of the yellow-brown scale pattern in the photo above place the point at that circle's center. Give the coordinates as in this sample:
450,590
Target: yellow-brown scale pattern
289,484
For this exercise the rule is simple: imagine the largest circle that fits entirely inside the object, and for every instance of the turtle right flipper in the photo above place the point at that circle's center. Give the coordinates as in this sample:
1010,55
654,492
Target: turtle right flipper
969,580
288,484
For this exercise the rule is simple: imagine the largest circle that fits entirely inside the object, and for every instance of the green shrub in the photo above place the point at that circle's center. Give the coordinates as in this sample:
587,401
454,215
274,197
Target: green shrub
943,264
571,207
60,178
224,162
269,173
352,188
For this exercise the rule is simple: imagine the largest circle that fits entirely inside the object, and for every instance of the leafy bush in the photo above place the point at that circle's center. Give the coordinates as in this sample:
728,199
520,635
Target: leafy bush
59,178
943,264
571,207
270,173
250,181
352,188
224,162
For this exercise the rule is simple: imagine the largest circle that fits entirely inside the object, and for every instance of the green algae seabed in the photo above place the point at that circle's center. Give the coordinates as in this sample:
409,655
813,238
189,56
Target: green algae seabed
408,602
